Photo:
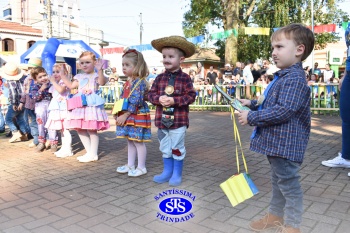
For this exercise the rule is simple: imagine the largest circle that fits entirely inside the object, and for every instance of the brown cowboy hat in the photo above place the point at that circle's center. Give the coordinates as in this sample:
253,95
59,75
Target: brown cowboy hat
10,71
175,42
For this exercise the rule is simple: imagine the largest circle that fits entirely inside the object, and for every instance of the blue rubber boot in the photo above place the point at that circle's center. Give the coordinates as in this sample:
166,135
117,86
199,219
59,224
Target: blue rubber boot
167,171
175,180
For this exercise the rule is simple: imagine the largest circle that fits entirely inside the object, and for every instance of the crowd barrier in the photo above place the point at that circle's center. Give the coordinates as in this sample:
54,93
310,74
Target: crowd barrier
324,97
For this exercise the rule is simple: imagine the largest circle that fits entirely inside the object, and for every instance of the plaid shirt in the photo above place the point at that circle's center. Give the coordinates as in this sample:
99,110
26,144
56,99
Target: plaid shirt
184,95
28,102
284,122
15,91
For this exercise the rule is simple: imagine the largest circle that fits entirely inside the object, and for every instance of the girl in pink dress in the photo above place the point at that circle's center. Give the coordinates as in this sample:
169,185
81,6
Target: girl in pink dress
90,117
58,110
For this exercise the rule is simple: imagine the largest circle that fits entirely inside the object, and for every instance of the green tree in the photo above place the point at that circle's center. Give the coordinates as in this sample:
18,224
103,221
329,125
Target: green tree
235,14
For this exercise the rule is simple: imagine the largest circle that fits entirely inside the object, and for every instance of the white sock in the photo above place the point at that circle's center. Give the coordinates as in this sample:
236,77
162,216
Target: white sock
141,154
131,153
94,142
85,139
67,141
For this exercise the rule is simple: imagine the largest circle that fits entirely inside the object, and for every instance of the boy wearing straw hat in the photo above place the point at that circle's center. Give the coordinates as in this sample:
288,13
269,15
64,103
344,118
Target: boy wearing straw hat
29,103
13,74
172,92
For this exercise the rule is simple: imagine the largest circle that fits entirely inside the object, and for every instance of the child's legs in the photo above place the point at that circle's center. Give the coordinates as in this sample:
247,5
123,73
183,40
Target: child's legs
285,181
172,143
41,118
9,118
94,142
33,125
345,115
141,154
132,151
66,139
85,139
2,121
21,122
53,137
26,121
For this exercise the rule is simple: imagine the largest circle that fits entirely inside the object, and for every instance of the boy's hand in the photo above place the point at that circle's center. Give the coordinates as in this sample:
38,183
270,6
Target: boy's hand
122,118
44,86
243,117
15,108
20,107
245,102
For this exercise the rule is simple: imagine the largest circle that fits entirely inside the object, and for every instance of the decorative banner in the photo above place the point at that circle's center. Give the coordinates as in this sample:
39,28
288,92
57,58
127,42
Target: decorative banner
196,39
142,47
224,34
345,25
111,50
324,28
257,31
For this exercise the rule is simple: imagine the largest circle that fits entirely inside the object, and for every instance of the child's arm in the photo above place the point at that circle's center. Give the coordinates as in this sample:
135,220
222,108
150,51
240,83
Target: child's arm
101,78
293,94
153,95
70,84
57,86
188,95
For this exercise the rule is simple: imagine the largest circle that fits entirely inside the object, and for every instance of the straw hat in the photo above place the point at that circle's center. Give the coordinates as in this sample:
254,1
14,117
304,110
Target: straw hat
10,71
175,42
34,62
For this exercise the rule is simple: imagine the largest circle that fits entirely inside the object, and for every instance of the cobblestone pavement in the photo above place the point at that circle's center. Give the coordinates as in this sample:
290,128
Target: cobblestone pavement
41,193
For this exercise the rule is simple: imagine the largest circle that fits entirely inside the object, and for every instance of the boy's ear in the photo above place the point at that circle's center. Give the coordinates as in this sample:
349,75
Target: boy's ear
300,50
182,59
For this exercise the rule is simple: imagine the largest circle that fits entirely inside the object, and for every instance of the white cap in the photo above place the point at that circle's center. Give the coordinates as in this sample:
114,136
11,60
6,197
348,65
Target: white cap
228,65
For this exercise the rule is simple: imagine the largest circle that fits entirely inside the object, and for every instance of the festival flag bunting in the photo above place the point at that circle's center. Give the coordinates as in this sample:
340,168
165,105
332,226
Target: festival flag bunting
257,31
196,39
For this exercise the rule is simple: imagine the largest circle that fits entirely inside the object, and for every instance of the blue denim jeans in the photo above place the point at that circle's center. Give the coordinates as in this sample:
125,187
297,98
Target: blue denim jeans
32,124
172,142
2,121
345,112
287,195
19,115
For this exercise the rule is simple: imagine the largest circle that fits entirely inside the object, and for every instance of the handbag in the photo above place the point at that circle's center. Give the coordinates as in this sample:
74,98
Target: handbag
123,103
239,187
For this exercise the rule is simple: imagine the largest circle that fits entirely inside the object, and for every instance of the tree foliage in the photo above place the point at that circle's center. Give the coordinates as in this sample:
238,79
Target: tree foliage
230,14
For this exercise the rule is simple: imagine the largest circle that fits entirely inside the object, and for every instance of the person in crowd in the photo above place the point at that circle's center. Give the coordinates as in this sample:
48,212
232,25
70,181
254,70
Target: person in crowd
256,72
247,73
92,117
200,71
211,76
39,91
315,70
58,110
343,158
282,127
192,75
237,69
29,103
172,92
3,106
12,73
114,74
135,123
228,73
328,74
152,75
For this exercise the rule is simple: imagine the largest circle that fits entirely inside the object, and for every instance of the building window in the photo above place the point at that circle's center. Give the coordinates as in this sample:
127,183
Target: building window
7,12
8,45
30,43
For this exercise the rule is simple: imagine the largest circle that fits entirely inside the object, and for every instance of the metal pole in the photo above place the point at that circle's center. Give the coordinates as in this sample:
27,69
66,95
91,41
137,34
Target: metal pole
141,28
312,28
49,19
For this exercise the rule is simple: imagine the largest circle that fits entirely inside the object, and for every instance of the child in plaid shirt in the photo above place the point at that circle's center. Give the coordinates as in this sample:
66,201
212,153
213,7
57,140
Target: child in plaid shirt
172,92
282,127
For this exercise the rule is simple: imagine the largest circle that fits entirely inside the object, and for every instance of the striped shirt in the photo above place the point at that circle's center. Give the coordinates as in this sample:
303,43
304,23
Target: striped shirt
15,91
184,95
285,119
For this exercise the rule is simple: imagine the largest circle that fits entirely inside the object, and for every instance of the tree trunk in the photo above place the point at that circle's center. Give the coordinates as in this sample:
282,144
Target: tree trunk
232,17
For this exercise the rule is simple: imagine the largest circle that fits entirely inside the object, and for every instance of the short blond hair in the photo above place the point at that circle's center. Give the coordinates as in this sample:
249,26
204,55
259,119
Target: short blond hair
300,34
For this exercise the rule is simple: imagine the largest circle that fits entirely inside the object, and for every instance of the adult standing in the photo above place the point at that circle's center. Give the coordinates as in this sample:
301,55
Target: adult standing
328,74
200,71
212,75
343,158
247,73
114,74
315,70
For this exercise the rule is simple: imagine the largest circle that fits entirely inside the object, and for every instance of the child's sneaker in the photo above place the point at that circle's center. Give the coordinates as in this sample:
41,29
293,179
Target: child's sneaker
40,147
125,169
87,158
337,162
137,172
63,153
16,137
53,148
47,145
31,145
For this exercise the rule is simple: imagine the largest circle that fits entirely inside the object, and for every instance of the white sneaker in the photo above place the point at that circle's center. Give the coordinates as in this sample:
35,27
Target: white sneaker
349,174
87,158
137,172
63,153
125,169
337,162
